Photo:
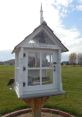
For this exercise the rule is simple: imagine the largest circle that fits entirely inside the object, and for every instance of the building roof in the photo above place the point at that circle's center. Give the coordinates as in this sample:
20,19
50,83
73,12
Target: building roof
47,30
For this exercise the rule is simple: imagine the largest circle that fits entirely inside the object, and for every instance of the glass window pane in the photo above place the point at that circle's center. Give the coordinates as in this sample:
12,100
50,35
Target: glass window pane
47,60
33,77
33,59
47,76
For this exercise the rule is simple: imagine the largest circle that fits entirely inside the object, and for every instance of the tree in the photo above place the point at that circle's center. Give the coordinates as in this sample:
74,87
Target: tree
73,58
80,58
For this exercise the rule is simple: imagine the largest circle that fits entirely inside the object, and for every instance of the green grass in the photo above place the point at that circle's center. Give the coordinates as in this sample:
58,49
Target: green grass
70,102
8,98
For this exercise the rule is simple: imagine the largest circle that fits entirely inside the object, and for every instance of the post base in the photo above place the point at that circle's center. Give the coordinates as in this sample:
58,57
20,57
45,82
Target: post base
36,104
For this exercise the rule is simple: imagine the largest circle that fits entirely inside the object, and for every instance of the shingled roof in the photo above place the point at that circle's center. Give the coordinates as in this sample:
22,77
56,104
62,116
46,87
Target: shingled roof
46,28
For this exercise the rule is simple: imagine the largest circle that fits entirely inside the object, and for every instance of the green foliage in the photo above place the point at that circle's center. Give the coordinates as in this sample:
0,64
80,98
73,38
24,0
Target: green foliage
72,58
71,101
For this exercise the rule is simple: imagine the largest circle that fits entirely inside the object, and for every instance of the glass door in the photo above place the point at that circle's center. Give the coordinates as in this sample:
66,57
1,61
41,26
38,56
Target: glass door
33,68
40,68
47,68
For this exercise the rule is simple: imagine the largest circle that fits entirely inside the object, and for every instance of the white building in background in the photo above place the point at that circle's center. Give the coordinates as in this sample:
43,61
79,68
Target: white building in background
37,63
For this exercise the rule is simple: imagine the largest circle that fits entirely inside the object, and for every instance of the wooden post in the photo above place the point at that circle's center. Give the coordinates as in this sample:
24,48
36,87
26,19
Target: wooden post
36,104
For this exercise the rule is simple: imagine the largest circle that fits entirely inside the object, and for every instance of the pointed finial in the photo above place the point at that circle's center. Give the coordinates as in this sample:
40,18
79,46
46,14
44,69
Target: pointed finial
41,15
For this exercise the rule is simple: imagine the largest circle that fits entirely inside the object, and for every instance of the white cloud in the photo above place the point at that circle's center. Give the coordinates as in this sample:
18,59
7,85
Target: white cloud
79,7
19,18
71,38
64,3
62,6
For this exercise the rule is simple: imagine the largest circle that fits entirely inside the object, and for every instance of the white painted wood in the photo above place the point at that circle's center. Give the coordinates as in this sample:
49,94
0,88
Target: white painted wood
23,75
59,71
22,51
41,15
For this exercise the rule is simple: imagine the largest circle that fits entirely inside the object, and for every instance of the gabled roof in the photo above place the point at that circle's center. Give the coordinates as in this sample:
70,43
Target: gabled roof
47,30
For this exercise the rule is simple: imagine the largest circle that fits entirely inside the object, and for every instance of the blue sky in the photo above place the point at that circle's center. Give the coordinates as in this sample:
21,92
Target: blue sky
73,18
18,18
6,55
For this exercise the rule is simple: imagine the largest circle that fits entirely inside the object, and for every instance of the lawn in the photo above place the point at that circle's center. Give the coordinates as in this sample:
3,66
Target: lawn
71,101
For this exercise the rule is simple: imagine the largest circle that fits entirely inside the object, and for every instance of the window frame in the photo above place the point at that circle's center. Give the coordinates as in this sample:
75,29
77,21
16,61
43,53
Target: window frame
41,67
